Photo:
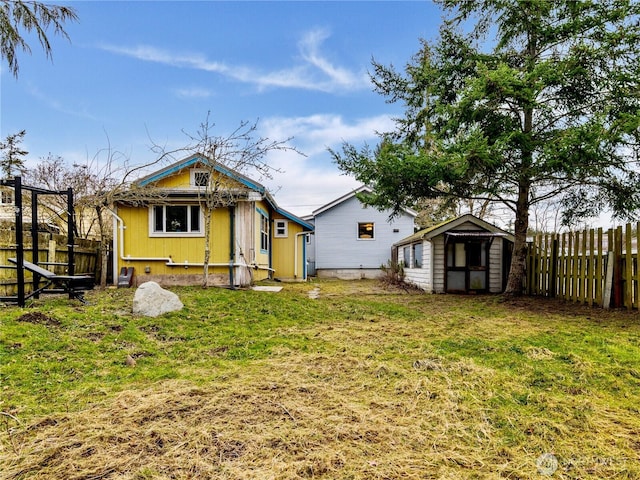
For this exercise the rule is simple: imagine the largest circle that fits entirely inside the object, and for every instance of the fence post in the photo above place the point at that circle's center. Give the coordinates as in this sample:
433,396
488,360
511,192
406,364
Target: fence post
628,268
553,281
599,269
608,280
618,291
19,240
636,268
529,272
564,270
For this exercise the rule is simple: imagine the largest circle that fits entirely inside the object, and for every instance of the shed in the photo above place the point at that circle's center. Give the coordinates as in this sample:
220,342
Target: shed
463,255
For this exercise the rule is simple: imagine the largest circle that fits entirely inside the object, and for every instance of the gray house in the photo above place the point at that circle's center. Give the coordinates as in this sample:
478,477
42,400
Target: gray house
464,255
352,240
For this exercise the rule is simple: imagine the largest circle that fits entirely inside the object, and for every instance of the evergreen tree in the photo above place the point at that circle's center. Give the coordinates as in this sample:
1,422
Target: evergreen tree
12,159
18,16
539,100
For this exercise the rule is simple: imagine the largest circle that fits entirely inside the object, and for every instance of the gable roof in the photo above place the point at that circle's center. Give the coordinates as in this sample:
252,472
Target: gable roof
251,184
350,195
435,230
194,160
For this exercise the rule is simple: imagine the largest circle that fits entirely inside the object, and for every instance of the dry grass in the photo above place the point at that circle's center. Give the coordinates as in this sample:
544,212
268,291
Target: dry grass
450,394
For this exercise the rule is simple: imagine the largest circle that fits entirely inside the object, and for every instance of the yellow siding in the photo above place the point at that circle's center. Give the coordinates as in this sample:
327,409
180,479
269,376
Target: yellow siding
141,250
285,257
182,180
179,180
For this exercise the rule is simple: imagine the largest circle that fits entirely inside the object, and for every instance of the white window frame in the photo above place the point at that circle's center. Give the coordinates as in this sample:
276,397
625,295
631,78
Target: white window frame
193,174
281,225
406,256
264,232
416,260
188,233
6,197
373,231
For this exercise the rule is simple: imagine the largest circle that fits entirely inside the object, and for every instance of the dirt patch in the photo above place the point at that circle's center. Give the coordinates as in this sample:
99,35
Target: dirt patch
40,319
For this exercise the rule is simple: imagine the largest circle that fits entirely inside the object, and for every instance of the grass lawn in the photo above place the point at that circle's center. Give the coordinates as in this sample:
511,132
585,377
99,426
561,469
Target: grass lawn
362,382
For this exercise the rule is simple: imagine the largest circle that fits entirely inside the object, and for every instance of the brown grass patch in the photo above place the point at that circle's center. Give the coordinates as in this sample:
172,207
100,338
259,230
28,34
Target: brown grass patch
39,318
302,420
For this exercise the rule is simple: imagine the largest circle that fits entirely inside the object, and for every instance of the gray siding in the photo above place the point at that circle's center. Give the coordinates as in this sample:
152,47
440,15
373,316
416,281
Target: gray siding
336,236
438,264
495,266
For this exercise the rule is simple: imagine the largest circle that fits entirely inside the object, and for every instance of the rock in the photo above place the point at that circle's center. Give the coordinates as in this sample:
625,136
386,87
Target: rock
151,300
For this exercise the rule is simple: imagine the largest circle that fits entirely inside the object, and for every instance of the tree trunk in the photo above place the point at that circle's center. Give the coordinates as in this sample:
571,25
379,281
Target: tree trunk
104,251
517,271
207,247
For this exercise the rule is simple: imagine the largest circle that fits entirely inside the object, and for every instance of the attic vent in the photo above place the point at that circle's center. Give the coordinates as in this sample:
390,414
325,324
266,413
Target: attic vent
199,178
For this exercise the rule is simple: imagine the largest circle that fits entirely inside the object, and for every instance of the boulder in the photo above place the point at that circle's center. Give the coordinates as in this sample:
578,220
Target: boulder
151,300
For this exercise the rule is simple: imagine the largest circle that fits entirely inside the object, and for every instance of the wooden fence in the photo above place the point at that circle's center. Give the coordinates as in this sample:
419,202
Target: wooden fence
593,267
52,254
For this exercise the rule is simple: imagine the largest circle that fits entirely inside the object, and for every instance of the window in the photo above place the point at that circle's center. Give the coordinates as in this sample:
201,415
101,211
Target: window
406,256
6,197
470,254
282,227
199,178
417,255
176,219
264,233
476,254
456,255
365,231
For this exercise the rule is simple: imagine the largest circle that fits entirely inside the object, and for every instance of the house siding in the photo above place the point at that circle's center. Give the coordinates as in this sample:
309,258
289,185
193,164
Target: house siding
420,277
144,252
439,260
339,251
239,256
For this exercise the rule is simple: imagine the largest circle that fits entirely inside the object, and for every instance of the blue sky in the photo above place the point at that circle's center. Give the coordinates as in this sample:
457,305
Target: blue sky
137,72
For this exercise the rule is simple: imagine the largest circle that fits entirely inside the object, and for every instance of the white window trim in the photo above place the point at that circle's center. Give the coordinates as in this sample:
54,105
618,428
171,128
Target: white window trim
264,231
414,258
360,239
153,233
285,227
192,176
6,193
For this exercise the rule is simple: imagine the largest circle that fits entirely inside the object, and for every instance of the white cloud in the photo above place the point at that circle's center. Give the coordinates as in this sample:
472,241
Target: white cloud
316,72
193,92
310,50
314,134
307,183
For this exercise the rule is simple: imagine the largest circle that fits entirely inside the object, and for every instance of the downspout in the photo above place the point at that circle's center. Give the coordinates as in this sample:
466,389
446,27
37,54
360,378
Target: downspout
114,246
270,248
169,260
232,244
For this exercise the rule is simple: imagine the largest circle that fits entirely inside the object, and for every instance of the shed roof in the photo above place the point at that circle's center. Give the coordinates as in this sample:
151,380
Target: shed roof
449,225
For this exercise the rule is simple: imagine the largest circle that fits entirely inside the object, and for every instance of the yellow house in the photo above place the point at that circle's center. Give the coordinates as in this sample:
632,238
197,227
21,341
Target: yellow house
163,236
